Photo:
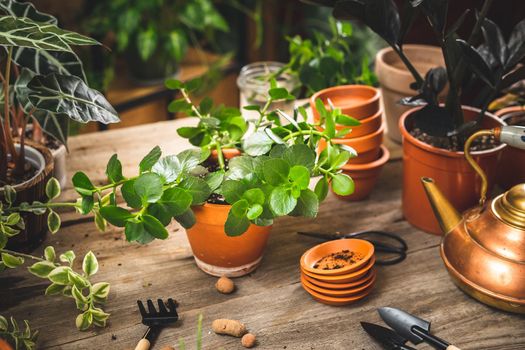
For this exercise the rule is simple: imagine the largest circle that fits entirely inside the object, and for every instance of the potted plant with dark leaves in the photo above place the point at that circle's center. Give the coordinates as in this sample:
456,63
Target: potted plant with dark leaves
434,133
268,179
43,84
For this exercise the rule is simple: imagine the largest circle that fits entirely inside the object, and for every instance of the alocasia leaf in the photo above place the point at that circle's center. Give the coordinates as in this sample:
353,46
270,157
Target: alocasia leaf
26,9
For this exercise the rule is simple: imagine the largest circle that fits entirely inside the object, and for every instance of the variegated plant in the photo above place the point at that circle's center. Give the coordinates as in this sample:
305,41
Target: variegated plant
44,81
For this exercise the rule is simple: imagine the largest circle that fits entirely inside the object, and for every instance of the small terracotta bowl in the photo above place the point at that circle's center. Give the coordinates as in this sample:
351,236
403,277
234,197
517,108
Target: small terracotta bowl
338,293
360,247
365,175
346,278
339,286
357,101
338,301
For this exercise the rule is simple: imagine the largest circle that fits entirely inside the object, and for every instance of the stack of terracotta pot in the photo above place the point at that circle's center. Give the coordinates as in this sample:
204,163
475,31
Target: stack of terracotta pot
360,102
339,272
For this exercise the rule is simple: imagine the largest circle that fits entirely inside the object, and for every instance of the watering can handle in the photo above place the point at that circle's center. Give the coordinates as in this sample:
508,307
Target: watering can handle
513,136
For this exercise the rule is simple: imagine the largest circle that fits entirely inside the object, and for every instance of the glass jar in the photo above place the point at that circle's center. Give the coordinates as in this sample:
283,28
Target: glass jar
253,83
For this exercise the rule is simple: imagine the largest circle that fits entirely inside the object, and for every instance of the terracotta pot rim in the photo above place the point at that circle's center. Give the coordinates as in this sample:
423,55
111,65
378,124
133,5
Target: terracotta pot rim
407,137
362,121
379,162
351,87
362,138
393,70
213,205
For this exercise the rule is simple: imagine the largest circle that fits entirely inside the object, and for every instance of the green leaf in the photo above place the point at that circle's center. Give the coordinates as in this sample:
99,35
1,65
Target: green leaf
116,216
300,176
3,323
198,188
68,257
100,222
254,211
276,171
78,296
49,254
154,227
135,232
54,289
52,188
84,320
343,184
90,264
42,268
299,155
146,43
236,225
254,196
11,261
150,159
187,219
114,169
280,94
175,201
169,168
177,44
87,203
69,95
307,204
53,221
179,105
9,194
174,84
148,187
100,291
129,194
282,201
60,275
346,120
82,184
77,280
188,131
214,180
257,144
321,189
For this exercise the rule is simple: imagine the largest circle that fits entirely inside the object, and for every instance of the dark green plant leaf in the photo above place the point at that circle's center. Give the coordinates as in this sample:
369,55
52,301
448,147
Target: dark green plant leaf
436,12
53,222
237,223
148,187
257,144
69,95
343,184
197,188
307,205
300,176
169,168
495,41
114,169
476,62
276,171
26,9
130,196
52,188
42,62
282,201
82,184
115,215
516,45
187,219
150,159
154,227
146,43
175,201
321,189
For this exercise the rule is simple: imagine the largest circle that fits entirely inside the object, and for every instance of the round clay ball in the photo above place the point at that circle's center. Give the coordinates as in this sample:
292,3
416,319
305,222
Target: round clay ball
225,285
248,340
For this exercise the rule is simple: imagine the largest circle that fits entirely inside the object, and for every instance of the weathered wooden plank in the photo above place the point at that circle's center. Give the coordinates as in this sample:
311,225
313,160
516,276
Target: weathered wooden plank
270,301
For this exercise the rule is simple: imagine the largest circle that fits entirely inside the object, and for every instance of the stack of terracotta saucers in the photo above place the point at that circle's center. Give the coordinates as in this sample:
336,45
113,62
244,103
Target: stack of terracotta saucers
339,272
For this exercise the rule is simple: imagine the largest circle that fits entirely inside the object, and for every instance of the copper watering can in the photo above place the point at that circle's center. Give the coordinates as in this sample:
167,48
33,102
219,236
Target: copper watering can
484,250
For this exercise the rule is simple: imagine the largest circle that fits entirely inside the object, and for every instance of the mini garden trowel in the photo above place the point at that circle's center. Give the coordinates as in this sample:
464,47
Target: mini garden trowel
389,339
412,328
156,319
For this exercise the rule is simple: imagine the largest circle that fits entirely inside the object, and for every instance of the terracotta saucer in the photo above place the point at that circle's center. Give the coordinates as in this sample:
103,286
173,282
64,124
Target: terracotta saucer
339,286
347,278
360,247
357,101
339,293
338,301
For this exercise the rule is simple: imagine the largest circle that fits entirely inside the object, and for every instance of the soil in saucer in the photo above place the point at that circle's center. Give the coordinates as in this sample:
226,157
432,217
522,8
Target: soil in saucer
338,260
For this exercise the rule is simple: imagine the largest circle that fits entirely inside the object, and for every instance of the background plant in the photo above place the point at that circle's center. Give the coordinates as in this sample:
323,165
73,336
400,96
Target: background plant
20,339
43,82
328,60
493,62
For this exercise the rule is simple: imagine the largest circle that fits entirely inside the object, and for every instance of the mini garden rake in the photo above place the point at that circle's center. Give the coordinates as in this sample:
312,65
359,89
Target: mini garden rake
156,319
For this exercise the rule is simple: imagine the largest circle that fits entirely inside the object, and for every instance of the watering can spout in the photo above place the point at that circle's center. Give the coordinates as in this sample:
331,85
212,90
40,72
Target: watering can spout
447,216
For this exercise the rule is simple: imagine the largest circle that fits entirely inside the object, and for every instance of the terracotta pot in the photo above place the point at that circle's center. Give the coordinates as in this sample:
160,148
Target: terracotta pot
32,190
367,147
5,345
357,101
395,79
368,126
228,153
365,175
512,164
452,173
218,254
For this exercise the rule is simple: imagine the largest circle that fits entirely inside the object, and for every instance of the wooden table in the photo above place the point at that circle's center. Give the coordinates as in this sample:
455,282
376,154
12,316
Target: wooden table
270,301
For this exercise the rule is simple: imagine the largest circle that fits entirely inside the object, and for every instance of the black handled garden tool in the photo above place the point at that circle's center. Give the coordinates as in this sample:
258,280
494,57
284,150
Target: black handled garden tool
412,328
388,339
156,319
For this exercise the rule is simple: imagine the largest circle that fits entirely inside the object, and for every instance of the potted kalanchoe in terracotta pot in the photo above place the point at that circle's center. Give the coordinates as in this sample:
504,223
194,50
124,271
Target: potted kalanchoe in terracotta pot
434,133
43,84
268,178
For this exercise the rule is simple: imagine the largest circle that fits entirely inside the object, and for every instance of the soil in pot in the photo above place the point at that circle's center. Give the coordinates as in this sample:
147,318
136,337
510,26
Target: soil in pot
29,188
365,175
452,173
512,163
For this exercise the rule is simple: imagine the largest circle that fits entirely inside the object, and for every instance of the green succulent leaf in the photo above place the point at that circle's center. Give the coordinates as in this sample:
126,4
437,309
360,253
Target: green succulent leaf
52,188
148,187
282,202
90,264
116,216
276,171
114,169
150,159
154,227
169,168
132,199
307,204
82,184
53,221
300,175
198,188
343,184
60,275
42,268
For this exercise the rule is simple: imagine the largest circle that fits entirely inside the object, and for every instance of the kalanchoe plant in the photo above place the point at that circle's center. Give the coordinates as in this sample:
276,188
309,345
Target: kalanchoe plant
18,338
43,82
326,61
493,62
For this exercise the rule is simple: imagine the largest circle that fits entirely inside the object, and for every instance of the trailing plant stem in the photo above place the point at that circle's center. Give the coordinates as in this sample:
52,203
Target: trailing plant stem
27,256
